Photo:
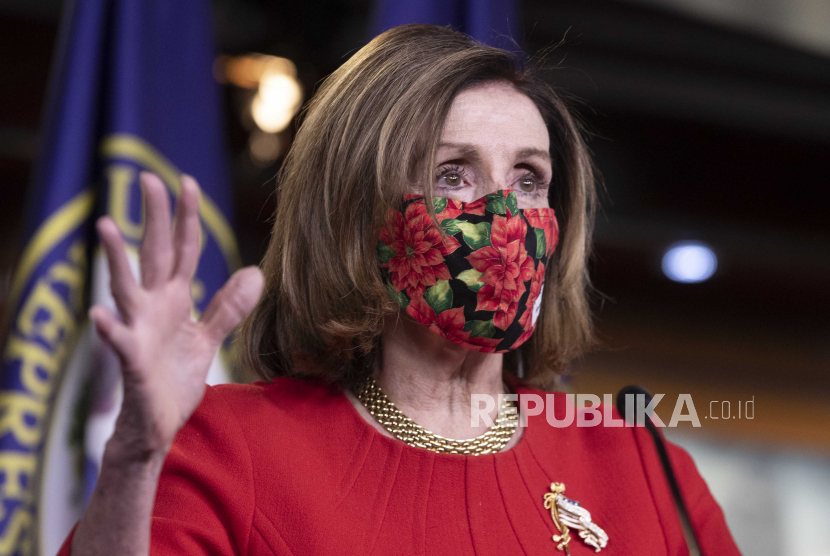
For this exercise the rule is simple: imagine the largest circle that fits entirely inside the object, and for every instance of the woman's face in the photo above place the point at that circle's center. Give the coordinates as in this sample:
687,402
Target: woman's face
494,138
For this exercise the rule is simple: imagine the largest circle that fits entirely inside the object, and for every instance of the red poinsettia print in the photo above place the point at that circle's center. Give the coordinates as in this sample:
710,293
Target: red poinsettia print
545,220
526,320
505,266
476,207
450,325
427,268
484,345
455,208
523,338
452,210
420,310
419,250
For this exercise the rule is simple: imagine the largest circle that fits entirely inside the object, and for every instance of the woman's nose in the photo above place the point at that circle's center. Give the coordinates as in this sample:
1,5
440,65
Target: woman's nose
489,186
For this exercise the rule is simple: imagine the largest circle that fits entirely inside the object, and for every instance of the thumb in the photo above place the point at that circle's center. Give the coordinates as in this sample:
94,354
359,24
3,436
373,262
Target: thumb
112,331
233,302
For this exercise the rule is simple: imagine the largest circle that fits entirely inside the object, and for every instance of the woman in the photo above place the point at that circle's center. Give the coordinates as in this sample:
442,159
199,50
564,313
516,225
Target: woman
415,261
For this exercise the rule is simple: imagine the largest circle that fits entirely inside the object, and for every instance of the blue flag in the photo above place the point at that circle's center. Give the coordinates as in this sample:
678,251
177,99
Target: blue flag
132,89
494,22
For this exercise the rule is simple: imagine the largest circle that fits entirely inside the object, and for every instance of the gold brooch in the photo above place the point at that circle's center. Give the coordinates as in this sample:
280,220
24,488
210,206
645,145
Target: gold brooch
567,514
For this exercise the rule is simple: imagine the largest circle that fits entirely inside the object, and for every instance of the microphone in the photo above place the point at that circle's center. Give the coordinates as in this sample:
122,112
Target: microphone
626,406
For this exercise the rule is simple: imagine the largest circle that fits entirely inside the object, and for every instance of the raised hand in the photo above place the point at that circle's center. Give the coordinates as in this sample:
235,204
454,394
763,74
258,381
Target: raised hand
165,356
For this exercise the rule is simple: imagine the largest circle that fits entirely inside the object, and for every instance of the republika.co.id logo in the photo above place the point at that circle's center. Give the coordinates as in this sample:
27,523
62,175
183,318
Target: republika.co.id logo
588,410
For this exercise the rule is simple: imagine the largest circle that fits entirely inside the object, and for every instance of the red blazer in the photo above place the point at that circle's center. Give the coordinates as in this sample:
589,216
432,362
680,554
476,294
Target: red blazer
290,468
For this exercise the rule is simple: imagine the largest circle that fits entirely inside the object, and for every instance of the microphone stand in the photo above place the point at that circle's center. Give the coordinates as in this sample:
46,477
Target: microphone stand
688,532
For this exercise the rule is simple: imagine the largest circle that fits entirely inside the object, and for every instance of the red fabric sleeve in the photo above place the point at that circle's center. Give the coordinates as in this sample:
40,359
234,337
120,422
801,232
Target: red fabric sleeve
205,499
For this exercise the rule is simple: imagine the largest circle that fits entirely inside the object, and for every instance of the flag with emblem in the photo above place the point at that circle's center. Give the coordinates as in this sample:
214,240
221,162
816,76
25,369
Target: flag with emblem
131,90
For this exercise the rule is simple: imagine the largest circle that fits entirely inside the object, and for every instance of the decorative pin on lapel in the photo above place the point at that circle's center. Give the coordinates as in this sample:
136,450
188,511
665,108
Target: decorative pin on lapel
567,514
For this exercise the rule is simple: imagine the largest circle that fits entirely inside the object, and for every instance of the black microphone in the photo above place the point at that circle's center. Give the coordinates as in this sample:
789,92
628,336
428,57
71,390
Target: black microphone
628,412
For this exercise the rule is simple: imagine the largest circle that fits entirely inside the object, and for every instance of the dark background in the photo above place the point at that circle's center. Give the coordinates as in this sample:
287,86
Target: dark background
700,131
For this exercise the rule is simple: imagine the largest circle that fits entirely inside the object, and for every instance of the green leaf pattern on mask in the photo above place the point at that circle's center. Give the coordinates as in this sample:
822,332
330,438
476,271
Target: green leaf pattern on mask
468,234
480,328
475,235
541,245
398,297
512,204
385,253
439,296
496,204
450,226
471,278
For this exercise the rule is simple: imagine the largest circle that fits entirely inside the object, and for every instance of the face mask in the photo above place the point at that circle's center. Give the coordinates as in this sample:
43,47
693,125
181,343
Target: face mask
479,286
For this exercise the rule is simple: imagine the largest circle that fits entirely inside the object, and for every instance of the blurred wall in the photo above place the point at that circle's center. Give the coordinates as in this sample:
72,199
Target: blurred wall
799,23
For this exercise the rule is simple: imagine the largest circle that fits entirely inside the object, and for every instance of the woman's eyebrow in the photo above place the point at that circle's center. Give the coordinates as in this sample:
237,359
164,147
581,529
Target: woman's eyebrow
469,151
533,152
464,150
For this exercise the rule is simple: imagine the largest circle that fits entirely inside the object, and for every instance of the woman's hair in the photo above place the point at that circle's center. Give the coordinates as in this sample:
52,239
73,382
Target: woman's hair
368,135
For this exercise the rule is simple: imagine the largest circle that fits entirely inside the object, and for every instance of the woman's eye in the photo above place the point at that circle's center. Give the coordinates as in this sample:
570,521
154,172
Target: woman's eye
452,179
527,184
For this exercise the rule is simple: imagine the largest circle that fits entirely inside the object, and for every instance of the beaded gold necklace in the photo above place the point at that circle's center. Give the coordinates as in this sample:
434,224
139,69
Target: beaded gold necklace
403,428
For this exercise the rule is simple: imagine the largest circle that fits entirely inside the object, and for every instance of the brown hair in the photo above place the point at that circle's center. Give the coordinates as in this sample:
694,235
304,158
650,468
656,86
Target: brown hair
370,132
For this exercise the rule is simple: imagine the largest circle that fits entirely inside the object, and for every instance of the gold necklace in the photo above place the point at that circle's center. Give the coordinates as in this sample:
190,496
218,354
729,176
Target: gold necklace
403,428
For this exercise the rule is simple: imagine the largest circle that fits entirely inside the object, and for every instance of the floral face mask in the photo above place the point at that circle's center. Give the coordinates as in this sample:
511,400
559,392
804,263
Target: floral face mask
479,286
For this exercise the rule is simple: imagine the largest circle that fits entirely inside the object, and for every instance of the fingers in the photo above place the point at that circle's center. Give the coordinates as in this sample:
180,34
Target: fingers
157,249
111,330
186,229
122,281
233,302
